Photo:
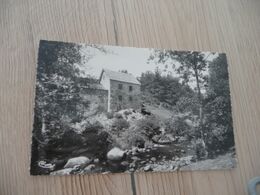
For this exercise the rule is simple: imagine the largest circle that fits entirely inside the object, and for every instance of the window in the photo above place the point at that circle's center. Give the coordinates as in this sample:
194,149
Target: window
130,88
120,98
130,98
120,86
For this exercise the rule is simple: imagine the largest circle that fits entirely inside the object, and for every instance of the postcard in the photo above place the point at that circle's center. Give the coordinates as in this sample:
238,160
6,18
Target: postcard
107,109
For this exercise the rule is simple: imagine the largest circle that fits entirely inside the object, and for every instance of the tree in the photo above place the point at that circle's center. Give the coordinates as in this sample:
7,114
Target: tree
161,89
58,101
190,65
59,83
56,90
218,106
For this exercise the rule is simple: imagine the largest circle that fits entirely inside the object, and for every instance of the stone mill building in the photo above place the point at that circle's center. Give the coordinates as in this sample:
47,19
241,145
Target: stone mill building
123,90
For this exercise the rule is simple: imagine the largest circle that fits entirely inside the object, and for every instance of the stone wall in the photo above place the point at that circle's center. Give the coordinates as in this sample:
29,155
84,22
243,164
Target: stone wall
124,98
98,99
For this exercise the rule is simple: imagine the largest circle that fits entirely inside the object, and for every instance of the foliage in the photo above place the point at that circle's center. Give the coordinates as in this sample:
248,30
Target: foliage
190,65
56,91
58,101
164,90
109,115
149,126
118,115
177,126
218,118
188,104
119,125
200,149
130,138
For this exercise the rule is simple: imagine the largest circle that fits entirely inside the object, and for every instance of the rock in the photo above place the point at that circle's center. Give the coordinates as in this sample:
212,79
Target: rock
142,162
187,160
89,167
189,122
141,150
128,152
124,163
59,164
115,154
177,158
193,159
66,171
153,159
132,170
82,161
96,160
106,172
45,165
132,165
165,139
177,164
135,158
175,168
182,163
134,149
182,151
148,168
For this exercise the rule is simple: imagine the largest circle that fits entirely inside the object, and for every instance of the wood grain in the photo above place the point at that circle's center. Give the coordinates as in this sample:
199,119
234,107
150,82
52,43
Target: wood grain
231,26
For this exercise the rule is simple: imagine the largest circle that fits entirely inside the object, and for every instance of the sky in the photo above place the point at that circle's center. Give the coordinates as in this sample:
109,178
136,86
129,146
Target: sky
134,60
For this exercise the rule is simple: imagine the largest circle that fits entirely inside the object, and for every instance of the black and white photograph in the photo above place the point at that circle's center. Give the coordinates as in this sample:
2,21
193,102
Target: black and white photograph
110,109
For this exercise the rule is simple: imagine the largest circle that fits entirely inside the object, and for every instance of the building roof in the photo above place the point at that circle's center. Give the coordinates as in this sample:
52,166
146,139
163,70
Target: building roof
120,76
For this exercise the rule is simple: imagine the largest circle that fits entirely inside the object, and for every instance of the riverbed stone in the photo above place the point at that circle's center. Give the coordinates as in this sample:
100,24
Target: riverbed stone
124,163
115,154
148,168
96,160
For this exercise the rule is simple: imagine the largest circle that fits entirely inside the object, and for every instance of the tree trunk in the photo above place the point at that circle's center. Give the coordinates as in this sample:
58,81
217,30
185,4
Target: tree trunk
200,102
199,96
43,130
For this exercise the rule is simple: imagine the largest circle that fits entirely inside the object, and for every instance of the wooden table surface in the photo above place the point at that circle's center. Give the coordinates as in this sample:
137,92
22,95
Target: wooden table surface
231,26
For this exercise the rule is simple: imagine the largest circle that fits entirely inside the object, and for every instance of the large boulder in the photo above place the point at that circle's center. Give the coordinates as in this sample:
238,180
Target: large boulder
89,168
45,165
66,171
115,154
80,161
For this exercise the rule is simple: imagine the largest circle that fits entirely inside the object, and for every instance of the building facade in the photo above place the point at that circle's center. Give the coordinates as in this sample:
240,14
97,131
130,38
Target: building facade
123,90
96,98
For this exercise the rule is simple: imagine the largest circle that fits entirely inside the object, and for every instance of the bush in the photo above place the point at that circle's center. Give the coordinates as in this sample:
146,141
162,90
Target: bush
118,115
218,138
149,126
177,126
200,149
119,125
188,104
109,115
96,140
71,138
92,127
127,112
130,138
